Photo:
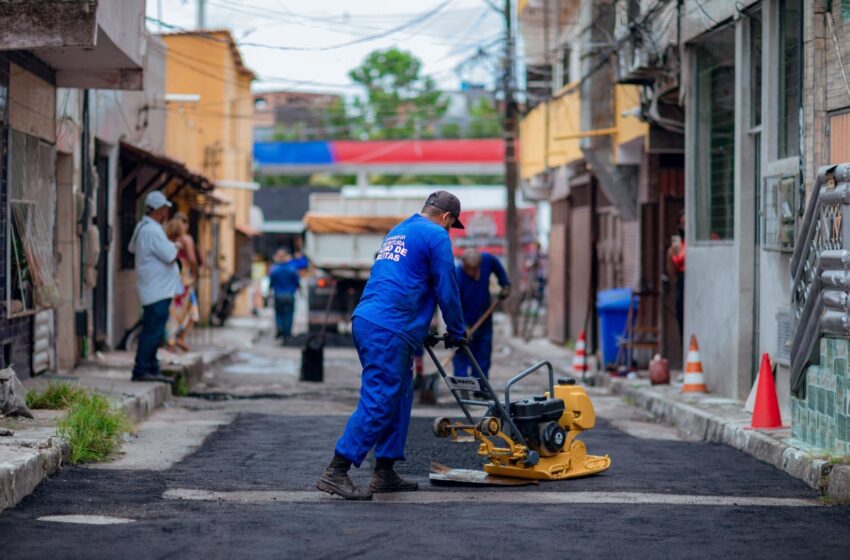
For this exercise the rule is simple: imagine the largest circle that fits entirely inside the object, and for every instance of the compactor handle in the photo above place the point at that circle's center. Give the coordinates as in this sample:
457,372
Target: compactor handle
433,339
526,373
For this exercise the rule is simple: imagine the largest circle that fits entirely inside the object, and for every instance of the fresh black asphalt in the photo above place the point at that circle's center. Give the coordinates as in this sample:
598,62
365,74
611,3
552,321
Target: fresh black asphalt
266,452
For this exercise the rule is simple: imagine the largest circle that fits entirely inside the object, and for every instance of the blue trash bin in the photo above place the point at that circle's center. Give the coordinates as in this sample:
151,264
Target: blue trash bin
613,309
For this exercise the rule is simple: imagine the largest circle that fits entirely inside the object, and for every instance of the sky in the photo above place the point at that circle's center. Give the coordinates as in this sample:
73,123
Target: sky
293,44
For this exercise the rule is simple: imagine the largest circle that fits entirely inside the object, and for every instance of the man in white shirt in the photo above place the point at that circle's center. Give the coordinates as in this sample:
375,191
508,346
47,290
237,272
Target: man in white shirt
158,280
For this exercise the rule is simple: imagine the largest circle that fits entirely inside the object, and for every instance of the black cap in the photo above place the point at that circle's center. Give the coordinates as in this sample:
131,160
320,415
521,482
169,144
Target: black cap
445,200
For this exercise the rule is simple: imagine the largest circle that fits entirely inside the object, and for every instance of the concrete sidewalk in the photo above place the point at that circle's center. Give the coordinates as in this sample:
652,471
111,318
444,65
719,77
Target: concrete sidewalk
33,451
720,420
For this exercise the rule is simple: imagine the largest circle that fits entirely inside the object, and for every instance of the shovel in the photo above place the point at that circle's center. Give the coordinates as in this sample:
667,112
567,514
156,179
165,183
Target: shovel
428,384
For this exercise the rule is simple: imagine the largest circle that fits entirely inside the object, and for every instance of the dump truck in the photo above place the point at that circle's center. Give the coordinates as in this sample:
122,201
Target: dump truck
344,233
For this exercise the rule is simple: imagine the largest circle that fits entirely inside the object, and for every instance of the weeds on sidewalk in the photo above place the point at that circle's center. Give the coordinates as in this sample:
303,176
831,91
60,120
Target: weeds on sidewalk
55,397
93,428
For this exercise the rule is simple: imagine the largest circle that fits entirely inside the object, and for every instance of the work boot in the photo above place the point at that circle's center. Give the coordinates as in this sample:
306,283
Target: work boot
385,479
335,481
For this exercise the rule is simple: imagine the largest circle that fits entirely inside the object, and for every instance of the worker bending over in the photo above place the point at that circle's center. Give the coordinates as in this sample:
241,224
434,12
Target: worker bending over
413,272
473,280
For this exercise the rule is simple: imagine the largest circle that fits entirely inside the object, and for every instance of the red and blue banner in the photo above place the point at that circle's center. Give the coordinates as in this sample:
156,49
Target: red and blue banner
380,152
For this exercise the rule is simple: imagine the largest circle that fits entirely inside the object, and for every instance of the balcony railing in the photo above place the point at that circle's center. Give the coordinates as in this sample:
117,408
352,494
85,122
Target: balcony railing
820,269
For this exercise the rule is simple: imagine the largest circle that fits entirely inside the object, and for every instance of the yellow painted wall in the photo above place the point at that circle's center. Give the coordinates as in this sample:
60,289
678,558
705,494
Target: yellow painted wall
212,136
626,98
564,116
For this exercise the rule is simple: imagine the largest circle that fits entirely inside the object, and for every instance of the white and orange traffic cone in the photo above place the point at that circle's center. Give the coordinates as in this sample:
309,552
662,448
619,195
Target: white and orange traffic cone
580,358
694,379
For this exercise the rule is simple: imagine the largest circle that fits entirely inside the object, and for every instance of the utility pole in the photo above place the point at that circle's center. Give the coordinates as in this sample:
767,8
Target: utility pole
511,177
201,15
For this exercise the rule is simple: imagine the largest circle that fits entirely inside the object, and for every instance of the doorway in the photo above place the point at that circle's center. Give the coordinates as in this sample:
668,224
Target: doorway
101,290
671,202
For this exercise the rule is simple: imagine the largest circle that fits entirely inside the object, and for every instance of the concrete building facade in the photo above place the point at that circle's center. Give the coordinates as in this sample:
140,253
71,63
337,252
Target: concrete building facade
49,47
585,149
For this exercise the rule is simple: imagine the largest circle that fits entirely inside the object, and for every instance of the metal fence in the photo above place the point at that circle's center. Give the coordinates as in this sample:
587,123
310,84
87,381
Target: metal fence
820,269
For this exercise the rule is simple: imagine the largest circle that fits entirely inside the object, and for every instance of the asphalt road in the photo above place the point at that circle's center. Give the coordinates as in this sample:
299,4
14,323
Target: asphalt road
248,492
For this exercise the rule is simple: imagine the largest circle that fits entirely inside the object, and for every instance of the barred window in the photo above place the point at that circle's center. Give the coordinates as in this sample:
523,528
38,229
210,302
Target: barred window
790,76
715,136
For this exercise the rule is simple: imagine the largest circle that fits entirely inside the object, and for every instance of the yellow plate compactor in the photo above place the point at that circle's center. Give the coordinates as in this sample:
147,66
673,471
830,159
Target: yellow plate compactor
533,438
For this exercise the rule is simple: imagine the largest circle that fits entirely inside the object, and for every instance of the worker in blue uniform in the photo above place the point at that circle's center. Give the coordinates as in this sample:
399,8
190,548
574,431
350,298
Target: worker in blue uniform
413,272
284,282
473,280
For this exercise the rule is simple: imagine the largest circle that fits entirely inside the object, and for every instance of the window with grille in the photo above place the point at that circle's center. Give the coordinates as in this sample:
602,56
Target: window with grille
31,282
790,76
715,136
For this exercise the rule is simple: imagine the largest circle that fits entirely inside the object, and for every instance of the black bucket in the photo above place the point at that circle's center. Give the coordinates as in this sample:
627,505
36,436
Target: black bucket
313,360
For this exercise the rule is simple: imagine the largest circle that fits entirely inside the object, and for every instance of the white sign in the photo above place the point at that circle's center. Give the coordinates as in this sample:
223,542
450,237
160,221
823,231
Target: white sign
463,384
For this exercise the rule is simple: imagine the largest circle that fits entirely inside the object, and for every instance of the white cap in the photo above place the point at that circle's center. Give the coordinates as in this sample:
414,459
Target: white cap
156,200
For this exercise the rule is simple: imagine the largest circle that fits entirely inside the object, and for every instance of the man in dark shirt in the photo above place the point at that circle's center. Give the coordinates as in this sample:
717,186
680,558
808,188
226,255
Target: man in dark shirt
473,280
413,272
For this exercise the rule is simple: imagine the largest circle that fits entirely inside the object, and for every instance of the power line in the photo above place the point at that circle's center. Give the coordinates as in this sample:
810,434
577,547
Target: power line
605,60
327,23
706,14
415,21
189,61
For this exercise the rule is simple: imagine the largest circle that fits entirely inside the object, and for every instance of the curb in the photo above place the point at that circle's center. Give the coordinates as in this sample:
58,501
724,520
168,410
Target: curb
139,407
831,480
25,463
20,475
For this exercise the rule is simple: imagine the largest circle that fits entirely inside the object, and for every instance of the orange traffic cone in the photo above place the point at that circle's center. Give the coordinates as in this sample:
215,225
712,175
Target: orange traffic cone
579,358
766,411
694,379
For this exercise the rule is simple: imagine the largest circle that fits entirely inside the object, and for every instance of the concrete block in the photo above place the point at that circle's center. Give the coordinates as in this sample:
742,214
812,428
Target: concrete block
22,468
838,485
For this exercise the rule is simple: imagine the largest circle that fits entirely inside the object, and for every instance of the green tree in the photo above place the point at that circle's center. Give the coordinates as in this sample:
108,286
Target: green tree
451,130
484,120
338,122
399,101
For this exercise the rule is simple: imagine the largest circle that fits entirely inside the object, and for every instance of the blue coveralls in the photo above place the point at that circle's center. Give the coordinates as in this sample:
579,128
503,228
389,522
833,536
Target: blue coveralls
414,270
284,282
475,299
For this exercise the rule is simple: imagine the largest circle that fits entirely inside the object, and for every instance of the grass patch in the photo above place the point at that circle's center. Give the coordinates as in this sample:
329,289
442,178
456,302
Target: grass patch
94,429
180,387
55,397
